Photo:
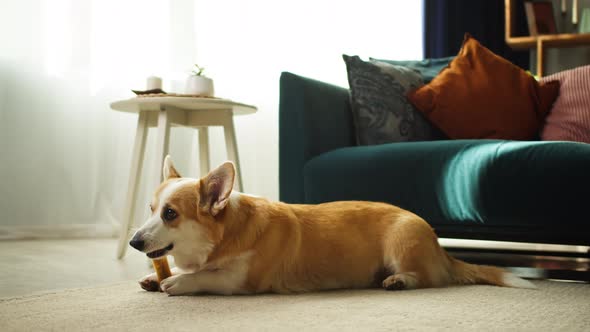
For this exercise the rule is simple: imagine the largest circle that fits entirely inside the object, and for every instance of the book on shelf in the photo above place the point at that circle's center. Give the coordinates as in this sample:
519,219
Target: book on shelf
540,18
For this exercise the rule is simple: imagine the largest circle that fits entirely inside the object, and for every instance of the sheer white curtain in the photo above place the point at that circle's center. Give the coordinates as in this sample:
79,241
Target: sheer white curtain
65,155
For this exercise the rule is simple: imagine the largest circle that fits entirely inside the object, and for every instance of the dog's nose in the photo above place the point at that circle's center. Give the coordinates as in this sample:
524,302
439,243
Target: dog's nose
137,244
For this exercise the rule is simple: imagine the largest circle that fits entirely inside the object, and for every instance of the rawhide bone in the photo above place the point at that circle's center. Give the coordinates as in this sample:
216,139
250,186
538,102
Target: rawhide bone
162,268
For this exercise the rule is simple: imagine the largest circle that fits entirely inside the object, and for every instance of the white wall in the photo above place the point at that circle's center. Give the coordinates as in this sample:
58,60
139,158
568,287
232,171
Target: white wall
246,44
65,155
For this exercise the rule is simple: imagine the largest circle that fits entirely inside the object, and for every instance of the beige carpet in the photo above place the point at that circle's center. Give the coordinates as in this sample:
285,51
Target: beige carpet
124,307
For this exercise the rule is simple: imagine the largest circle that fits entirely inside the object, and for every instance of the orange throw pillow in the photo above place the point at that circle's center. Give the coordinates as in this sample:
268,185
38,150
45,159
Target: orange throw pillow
482,95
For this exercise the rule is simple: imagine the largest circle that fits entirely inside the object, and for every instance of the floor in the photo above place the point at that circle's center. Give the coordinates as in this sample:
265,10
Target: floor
28,267
123,306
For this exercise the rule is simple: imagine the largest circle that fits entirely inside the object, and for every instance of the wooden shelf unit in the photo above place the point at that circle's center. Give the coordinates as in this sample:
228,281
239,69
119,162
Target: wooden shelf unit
541,42
560,40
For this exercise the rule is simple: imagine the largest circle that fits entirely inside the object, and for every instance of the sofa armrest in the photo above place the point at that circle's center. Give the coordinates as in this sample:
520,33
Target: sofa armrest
314,117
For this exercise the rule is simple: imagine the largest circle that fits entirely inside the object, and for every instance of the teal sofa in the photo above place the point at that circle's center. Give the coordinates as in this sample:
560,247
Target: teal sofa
527,191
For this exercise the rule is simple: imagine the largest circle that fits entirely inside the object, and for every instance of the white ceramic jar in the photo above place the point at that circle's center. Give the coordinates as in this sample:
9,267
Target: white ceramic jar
199,85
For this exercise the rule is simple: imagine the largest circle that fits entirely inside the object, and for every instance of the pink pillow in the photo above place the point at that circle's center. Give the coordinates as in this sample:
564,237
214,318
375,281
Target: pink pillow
569,119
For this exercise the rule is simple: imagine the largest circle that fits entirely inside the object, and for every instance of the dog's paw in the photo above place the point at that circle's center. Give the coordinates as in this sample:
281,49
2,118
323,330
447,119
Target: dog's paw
393,283
177,285
401,281
150,283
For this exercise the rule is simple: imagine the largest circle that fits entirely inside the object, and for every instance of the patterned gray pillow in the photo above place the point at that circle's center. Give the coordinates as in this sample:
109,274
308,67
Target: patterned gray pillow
378,97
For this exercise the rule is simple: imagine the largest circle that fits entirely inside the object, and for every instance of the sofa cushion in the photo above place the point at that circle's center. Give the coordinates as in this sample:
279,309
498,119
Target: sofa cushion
482,95
380,108
428,68
569,119
486,182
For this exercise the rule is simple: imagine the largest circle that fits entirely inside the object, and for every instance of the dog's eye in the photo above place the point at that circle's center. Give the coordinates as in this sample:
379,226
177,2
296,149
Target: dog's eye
169,214
151,208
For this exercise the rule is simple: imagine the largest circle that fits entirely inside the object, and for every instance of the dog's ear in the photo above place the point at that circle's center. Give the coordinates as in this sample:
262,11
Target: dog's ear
216,187
168,170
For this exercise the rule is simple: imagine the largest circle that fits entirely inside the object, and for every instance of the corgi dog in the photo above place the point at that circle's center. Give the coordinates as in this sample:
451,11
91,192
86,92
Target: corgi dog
227,242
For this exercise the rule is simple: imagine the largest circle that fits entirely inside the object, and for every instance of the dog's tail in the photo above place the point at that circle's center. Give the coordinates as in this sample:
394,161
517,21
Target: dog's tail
465,274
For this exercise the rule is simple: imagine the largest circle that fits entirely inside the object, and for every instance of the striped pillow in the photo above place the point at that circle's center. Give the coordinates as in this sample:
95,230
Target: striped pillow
569,119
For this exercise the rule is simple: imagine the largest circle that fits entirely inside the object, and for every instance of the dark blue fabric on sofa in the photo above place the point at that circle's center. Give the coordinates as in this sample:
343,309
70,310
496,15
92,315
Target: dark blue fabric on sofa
477,189
428,68
496,183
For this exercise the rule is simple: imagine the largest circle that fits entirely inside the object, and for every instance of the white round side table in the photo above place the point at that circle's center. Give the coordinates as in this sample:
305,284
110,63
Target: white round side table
164,112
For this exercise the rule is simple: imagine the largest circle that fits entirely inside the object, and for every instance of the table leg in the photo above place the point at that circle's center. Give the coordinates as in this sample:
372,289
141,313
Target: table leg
161,148
232,149
162,145
133,182
204,157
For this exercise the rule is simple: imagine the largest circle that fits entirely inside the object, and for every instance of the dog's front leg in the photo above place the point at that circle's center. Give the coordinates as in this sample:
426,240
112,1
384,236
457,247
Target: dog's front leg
150,282
224,282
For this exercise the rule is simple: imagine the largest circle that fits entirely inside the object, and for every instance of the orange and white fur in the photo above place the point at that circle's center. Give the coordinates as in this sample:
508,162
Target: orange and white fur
227,242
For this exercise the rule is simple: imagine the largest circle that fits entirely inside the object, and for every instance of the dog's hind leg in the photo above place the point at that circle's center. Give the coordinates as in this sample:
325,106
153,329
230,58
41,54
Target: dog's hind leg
409,273
400,281
412,253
